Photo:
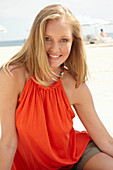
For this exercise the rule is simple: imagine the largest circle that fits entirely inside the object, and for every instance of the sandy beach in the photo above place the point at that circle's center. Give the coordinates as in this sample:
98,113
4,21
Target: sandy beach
100,64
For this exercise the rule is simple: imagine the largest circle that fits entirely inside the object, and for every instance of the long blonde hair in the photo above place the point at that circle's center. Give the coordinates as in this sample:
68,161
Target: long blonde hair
33,53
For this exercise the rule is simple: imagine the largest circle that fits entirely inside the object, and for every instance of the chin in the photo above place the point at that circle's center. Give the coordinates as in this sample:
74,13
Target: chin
55,66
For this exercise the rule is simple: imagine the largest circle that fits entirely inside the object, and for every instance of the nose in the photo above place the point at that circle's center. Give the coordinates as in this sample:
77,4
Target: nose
55,46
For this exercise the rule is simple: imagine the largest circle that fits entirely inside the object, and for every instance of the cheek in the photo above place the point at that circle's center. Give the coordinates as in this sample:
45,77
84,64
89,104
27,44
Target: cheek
67,49
46,47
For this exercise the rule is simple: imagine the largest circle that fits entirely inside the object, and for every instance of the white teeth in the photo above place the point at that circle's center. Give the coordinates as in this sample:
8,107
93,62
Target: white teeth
53,56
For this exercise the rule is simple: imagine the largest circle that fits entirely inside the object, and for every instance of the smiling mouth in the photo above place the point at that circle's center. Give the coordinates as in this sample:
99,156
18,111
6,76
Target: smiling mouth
53,56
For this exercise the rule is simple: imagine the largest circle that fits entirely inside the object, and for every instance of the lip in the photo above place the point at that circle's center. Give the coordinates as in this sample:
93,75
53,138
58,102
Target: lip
53,58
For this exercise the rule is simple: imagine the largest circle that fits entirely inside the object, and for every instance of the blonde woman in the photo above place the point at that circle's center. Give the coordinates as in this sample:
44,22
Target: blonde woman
37,88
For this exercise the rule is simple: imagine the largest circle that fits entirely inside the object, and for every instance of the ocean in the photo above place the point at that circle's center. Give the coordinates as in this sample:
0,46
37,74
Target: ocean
11,43
21,42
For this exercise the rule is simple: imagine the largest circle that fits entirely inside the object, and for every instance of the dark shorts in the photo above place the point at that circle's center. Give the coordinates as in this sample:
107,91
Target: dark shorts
90,151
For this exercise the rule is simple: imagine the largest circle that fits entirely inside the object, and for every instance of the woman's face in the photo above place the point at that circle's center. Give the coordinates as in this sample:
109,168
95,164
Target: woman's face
58,42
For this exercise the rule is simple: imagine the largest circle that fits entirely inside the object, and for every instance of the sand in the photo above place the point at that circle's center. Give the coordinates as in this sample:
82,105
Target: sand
100,64
100,83
7,52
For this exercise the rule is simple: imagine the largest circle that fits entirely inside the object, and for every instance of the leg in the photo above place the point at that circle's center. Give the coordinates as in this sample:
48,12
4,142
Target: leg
100,161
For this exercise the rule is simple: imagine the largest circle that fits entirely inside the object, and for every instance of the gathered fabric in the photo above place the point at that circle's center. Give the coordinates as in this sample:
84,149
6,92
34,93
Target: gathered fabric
44,122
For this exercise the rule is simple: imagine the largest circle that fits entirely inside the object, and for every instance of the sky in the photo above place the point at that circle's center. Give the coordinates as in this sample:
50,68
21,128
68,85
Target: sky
18,15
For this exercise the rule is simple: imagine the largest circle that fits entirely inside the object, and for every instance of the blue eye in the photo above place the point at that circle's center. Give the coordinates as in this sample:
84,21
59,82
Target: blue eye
47,39
64,40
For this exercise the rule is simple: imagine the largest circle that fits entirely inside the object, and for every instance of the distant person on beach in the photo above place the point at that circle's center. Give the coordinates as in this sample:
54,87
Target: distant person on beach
37,88
103,33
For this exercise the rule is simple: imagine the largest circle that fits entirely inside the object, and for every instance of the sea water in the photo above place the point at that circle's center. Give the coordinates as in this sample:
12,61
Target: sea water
11,43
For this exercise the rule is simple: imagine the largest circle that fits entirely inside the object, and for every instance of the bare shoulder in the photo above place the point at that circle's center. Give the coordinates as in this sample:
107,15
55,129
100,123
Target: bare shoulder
75,95
15,81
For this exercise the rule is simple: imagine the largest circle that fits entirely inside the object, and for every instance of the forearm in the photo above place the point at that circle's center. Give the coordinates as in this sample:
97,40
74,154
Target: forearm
110,150
6,157
108,147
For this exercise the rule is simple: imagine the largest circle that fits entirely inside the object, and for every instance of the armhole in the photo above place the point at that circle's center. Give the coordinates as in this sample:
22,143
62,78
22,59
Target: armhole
67,101
23,90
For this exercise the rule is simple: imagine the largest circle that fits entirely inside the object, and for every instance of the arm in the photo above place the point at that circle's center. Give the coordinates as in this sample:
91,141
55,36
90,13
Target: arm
85,109
8,102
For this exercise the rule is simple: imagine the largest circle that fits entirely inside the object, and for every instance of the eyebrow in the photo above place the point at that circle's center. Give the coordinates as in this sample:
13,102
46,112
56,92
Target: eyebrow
64,36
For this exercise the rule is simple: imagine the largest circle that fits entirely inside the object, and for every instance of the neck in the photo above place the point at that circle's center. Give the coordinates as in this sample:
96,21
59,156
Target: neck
58,73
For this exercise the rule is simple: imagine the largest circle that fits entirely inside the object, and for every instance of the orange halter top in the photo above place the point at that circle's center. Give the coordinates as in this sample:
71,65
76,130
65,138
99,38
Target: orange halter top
46,137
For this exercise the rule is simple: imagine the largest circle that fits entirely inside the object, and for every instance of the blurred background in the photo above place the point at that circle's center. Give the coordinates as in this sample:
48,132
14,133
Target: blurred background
16,17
